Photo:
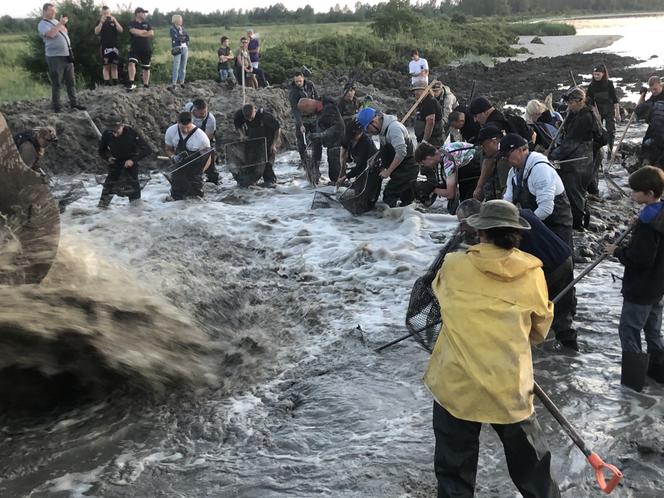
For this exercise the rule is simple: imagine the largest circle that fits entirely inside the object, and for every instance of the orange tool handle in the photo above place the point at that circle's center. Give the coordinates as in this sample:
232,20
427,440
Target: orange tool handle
599,466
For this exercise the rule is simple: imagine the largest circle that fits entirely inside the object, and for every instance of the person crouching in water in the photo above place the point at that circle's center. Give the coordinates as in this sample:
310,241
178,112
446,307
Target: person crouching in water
184,142
643,283
494,305
396,152
123,148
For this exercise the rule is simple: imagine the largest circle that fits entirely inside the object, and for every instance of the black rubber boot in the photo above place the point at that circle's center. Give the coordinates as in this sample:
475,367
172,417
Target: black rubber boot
634,369
656,366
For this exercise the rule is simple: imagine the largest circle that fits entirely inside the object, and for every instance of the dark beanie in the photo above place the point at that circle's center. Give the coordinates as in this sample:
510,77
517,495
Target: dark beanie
479,105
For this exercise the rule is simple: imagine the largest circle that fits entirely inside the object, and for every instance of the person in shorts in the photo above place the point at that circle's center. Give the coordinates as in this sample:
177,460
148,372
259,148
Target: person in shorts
140,49
107,29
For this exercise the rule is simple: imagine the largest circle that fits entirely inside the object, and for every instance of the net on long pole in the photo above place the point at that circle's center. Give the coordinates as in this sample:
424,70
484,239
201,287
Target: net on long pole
246,160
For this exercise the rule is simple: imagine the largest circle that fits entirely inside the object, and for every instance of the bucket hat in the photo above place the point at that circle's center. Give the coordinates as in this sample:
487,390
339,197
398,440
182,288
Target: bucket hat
498,214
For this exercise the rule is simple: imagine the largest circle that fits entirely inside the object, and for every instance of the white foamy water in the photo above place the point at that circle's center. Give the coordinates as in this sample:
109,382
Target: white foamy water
319,413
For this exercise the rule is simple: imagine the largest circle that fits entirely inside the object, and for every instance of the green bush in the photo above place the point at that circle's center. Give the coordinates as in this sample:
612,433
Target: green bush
541,29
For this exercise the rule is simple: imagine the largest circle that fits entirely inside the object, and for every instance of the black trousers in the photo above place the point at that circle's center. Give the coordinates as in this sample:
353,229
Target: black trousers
457,450
187,182
401,186
120,181
565,309
575,184
211,174
334,162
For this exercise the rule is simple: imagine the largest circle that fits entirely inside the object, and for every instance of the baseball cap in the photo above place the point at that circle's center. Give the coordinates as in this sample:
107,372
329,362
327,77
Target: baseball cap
365,116
510,142
140,10
487,132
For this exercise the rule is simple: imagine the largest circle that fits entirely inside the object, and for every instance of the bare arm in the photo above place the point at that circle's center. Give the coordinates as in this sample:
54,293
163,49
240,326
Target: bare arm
55,30
118,26
488,165
170,151
98,27
449,192
428,127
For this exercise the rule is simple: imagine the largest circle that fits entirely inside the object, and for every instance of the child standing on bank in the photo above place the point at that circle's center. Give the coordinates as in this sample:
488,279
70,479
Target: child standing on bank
643,283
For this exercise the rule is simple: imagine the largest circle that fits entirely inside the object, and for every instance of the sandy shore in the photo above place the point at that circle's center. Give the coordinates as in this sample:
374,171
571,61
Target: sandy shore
561,45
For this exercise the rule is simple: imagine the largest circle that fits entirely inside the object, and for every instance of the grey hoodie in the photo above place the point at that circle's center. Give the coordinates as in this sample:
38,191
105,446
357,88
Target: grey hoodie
397,136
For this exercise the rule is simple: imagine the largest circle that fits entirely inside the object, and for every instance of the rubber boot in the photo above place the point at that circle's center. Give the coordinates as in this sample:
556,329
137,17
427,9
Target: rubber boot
634,369
656,366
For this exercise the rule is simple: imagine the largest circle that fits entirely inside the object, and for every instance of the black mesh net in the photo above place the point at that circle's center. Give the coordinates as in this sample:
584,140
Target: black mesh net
67,193
246,160
324,200
423,318
363,193
122,187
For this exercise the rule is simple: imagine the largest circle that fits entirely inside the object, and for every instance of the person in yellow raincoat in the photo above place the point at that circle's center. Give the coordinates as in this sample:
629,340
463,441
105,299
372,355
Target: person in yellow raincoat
494,305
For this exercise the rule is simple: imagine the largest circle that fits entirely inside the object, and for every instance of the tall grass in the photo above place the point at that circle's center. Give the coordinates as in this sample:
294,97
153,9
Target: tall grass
16,83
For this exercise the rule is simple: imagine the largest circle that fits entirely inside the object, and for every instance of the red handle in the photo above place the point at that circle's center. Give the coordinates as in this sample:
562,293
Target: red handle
599,466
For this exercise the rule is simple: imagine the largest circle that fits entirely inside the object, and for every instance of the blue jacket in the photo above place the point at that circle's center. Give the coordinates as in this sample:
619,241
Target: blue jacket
178,37
542,243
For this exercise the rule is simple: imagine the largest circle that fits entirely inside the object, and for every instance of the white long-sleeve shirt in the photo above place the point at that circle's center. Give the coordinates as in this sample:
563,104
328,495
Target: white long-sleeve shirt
543,182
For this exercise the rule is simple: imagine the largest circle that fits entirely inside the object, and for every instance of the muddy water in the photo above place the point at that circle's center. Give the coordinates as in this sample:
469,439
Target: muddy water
293,302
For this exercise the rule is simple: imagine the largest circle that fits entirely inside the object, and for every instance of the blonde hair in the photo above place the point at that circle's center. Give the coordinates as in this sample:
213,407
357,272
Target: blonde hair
175,17
534,109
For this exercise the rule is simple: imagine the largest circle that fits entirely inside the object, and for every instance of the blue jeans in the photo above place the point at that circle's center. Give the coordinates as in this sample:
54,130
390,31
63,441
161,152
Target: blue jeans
180,66
226,74
637,317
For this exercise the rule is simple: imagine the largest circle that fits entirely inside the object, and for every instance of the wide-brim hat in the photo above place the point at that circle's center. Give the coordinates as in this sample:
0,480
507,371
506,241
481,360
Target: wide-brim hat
498,214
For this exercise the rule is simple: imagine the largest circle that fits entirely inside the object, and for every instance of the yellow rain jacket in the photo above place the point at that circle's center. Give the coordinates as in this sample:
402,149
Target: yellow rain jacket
494,304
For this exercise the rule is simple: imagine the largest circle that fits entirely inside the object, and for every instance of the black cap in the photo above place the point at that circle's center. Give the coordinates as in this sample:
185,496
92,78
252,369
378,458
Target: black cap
487,132
479,105
599,68
140,10
510,142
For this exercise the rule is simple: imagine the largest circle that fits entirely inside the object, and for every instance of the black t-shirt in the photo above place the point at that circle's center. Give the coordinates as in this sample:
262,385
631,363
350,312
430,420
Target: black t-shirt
427,107
138,43
224,51
108,35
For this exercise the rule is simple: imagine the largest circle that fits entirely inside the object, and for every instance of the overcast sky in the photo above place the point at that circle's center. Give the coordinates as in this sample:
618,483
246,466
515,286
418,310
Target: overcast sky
23,9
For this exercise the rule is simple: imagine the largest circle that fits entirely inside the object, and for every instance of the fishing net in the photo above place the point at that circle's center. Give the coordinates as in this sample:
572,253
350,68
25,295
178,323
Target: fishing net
423,318
67,193
323,200
246,160
311,168
363,193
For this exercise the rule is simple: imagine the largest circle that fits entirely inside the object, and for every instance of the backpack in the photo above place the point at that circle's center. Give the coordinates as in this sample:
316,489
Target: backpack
518,125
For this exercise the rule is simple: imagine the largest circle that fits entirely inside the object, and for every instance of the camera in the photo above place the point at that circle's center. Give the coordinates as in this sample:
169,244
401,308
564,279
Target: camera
643,91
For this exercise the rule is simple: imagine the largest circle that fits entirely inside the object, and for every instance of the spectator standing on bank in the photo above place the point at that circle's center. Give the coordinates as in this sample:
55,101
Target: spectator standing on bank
418,69
140,50
179,49
59,56
254,48
107,29
225,55
243,65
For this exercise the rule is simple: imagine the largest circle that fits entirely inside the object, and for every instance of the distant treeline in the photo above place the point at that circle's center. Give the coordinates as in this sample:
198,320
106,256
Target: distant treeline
279,14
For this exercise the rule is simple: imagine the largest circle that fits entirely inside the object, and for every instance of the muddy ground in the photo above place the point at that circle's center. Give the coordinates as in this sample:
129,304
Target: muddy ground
152,110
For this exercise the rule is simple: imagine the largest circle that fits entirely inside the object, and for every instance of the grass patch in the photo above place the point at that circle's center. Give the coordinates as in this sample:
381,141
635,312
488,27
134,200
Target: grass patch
541,29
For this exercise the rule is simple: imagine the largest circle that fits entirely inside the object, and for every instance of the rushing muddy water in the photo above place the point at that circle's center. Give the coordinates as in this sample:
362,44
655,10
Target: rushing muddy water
279,309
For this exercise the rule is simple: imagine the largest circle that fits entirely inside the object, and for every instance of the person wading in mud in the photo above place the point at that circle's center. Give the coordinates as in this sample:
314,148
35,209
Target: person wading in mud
576,143
256,122
493,180
481,367
329,132
652,110
428,118
123,148
532,183
205,120
32,144
643,283
301,88
396,152
183,140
